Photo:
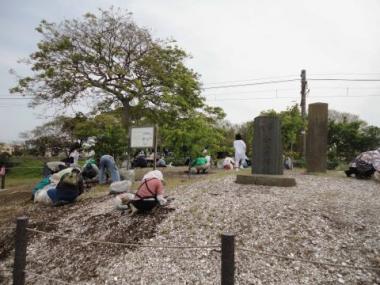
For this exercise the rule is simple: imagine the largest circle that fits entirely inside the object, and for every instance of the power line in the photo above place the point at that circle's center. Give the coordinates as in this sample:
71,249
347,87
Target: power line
253,79
250,84
291,76
292,80
290,89
293,97
253,91
15,98
342,74
345,79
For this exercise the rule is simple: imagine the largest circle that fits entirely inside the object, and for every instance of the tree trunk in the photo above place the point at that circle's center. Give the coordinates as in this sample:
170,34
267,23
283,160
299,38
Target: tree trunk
126,119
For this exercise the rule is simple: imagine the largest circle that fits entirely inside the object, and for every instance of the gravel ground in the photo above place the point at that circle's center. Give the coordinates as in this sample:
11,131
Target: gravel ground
325,219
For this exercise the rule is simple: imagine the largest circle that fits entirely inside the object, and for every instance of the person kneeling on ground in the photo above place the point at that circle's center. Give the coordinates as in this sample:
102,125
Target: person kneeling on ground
90,172
200,164
228,163
64,188
149,194
365,165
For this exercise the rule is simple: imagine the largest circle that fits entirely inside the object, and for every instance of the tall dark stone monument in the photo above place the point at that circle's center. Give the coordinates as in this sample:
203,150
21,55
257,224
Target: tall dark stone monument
316,138
267,167
267,146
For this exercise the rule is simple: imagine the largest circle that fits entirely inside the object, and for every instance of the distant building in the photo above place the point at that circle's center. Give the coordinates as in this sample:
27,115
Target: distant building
7,148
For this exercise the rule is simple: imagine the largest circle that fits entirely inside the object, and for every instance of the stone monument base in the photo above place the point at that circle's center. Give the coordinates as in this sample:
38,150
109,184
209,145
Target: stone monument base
267,180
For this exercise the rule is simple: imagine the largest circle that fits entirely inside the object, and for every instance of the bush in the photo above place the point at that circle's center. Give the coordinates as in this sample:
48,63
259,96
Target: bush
5,159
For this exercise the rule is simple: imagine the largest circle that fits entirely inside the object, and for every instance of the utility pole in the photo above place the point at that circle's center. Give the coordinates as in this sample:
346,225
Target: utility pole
303,93
303,109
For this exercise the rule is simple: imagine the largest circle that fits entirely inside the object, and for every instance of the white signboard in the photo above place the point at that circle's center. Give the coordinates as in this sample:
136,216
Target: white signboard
142,137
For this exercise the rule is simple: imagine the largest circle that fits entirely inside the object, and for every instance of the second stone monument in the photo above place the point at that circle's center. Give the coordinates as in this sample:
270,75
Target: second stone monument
267,161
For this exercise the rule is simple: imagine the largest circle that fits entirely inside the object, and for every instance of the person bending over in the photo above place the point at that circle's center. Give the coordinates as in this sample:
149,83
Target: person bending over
365,165
107,163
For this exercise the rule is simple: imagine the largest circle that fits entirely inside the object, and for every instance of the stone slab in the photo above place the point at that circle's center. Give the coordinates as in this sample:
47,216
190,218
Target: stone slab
267,146
316,138
267,180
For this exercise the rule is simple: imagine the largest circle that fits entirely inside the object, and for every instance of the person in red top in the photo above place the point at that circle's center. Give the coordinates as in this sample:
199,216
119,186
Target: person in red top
149,194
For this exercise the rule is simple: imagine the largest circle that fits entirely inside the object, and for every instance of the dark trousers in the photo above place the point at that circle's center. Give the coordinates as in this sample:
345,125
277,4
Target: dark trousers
360,174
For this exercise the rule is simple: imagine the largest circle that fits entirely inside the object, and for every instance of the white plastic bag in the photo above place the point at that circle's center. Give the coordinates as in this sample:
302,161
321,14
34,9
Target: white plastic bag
42,197
120,187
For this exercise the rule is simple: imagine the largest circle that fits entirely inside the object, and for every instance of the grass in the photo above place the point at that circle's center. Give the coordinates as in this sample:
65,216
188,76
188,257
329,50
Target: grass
26,171
26,167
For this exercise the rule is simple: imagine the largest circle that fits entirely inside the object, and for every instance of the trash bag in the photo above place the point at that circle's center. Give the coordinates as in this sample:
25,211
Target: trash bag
120,186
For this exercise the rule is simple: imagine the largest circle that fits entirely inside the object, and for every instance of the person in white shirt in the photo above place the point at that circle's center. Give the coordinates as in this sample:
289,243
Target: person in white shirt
74,154
240,149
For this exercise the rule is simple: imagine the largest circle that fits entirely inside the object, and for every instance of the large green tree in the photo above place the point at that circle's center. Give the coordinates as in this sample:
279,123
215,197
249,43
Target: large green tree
104,134
291,125
346,139
189,136
115,62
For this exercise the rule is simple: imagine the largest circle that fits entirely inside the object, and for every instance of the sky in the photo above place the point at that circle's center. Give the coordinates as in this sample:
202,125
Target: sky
230,42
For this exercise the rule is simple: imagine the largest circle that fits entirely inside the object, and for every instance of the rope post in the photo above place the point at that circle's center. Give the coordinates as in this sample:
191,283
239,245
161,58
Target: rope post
20,251
2,177
228,259
2,183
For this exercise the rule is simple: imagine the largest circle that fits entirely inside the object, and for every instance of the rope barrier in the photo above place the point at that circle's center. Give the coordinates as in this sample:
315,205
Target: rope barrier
48,278
123,244
308,261
24,167
7,228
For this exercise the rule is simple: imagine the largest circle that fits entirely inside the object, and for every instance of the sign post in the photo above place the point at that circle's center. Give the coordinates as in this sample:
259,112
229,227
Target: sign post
145,137
155,147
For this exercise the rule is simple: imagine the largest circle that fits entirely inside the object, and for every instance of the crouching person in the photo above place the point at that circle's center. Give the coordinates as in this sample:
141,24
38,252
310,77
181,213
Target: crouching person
201,164
149,194
66,190
365,165
90,173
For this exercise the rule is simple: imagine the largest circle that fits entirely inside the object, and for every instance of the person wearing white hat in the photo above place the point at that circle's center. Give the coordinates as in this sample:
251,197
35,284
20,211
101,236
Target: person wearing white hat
149,194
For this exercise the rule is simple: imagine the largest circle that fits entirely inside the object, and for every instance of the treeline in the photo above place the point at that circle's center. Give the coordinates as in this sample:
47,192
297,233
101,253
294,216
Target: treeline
104,133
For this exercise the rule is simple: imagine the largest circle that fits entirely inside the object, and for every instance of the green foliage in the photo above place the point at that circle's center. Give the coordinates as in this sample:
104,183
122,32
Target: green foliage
348,139
189,136
117,63
5,159
291,125
107,131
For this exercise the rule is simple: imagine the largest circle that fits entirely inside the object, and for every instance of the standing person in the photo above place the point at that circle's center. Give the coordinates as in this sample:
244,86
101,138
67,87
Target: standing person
107,162
240,149
74,155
